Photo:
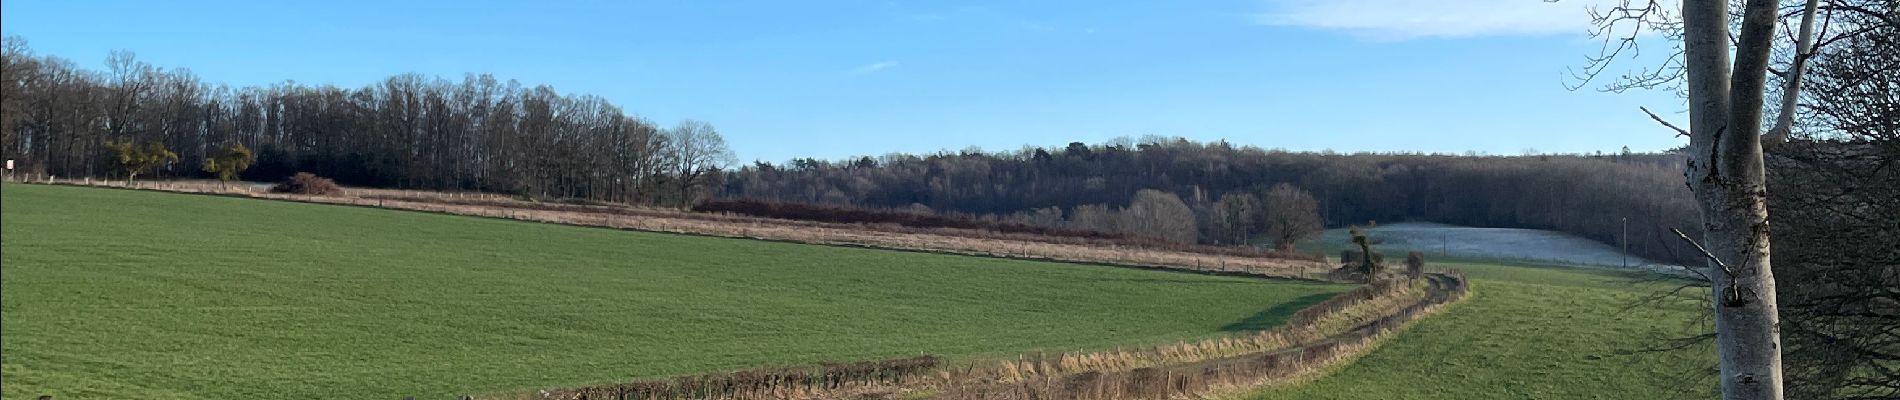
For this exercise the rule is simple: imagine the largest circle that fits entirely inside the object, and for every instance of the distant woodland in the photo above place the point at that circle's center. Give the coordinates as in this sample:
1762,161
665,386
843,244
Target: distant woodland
484,134
408,131
1227,190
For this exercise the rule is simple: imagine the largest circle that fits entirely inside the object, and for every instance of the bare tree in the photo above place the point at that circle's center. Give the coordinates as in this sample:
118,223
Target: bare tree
697,149
409,131
1158,214
1234,217
1725,169
1726,174
1093,217
1290,215
1791,79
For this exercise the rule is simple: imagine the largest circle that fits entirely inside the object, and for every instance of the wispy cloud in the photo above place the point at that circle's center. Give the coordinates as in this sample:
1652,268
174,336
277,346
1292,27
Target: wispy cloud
1414,19
874,67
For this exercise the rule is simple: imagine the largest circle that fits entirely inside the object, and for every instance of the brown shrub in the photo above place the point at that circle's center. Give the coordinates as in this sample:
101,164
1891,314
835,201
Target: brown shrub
1350,257
308,183
1414,264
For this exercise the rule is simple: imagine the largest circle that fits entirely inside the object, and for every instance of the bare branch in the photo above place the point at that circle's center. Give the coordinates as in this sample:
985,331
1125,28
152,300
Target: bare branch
1620,27
1705,252
1659,119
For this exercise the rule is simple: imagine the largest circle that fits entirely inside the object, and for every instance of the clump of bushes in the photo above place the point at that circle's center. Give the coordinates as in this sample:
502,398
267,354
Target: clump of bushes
1414,265
1350,257
308,183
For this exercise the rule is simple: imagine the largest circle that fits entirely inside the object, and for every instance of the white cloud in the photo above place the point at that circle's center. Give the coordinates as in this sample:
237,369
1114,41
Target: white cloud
1413,19
874,67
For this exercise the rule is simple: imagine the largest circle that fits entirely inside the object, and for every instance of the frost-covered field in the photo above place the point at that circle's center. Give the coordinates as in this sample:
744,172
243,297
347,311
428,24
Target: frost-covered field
1486,243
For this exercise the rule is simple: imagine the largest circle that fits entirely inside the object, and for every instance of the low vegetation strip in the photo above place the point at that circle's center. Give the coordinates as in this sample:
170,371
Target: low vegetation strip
889,236
911,219
1187,369
822,381
1217,375
810,212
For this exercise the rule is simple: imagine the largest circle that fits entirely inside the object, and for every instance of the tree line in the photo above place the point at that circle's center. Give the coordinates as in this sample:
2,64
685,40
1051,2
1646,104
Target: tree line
1225,188
406,131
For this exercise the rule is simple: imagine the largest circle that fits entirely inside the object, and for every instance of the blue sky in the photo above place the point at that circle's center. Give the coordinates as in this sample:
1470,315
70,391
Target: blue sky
832,79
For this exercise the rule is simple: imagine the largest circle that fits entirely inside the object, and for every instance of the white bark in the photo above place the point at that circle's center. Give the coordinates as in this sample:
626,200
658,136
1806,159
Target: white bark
1791,84
1725,172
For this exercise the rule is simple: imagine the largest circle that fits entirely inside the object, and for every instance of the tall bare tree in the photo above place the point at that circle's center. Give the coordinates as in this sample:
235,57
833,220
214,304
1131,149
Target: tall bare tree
697,149
1290,215
1725,172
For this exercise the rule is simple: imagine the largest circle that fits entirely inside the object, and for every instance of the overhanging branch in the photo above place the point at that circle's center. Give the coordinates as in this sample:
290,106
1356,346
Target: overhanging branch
1660,120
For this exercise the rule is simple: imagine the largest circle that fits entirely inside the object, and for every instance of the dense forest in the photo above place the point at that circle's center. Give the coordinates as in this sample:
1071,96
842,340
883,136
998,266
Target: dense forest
407,131
1588,195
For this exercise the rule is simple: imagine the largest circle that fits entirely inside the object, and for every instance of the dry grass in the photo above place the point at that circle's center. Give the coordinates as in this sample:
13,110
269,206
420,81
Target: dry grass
941,240
1340,329
1218,366
865,378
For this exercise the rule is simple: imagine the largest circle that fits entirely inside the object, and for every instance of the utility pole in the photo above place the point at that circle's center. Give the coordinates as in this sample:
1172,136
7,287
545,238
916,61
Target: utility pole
1626,242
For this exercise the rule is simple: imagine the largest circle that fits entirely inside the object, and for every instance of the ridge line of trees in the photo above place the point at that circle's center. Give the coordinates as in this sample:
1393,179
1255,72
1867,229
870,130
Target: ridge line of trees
1225,187
406,131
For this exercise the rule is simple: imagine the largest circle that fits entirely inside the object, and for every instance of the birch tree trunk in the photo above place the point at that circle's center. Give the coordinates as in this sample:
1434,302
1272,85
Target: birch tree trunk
1725,173
1791,83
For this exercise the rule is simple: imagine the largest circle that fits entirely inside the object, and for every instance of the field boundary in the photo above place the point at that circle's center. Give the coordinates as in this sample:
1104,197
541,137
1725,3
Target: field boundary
954,241
1293,350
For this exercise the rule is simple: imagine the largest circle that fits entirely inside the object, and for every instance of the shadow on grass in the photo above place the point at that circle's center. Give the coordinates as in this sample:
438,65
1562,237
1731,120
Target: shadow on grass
1273,316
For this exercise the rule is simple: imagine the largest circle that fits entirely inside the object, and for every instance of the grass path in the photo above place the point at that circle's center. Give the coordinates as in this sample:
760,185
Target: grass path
1528,333
127,294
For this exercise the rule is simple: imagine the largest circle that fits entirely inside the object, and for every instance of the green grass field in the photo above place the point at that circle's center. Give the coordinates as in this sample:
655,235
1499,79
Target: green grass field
1531,332
125,294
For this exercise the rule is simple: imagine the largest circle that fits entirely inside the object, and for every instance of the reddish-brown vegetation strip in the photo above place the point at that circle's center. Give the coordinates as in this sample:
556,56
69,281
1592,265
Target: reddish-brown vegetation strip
1231,260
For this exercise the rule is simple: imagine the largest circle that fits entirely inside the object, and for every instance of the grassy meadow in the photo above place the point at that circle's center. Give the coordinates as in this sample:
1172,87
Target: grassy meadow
1531,332
128,294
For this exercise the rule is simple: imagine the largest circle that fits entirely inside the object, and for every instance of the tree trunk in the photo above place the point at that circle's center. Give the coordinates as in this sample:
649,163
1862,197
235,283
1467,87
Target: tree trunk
1725,172
1791,83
